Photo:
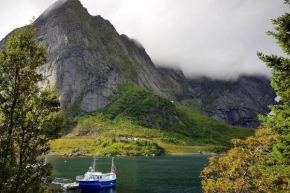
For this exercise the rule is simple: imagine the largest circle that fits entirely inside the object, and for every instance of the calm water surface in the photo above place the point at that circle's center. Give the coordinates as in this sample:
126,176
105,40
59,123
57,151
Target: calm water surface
163,174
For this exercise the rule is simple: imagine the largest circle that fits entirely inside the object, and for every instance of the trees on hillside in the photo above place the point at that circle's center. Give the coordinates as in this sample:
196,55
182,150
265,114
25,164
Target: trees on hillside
29,116
260,163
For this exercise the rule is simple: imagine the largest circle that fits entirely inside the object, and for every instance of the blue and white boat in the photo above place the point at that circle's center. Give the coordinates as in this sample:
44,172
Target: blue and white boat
93,180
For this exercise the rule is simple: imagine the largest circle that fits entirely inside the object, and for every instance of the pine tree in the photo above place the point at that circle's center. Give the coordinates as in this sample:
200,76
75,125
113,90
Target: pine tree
280,66
260,163
29,116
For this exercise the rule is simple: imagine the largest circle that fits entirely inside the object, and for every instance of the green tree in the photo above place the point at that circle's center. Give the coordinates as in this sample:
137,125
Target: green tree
29,116
260,163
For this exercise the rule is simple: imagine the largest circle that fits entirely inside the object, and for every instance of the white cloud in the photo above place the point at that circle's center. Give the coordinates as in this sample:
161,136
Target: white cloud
204,37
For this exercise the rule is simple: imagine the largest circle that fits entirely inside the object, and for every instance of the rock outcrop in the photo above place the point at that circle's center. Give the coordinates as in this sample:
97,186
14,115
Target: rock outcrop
234,102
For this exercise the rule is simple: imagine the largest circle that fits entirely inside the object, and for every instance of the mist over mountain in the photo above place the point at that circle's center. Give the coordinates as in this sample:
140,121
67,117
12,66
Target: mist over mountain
88,60
208,38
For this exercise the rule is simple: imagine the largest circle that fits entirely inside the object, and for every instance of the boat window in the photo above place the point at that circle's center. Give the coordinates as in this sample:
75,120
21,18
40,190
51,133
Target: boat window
100,177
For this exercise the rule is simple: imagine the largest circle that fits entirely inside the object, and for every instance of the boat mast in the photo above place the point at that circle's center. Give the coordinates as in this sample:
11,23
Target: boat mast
94,164
112,167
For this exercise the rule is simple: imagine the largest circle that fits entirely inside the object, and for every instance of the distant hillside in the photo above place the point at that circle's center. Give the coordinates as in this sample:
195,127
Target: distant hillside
138,113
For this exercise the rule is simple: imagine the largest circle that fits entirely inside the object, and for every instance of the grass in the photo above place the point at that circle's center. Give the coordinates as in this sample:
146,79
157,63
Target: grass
160,126
176,148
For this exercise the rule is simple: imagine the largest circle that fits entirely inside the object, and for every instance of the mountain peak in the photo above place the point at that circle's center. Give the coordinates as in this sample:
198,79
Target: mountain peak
72,3
63,7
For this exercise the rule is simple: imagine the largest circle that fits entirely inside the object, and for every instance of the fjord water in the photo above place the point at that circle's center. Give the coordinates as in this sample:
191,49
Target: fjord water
164,174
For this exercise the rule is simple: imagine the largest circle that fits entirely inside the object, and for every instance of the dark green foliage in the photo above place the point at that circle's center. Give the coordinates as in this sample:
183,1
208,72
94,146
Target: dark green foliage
142,107
69,114
280,66
29,116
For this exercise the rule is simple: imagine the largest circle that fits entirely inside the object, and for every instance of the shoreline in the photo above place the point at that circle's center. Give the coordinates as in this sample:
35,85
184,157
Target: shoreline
53,154
203,153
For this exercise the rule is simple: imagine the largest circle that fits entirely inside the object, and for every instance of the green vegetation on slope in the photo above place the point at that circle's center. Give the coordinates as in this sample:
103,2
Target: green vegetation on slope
157,124
147,109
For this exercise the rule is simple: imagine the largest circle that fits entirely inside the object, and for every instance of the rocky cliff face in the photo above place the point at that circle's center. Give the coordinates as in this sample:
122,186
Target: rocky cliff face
88,59
234,102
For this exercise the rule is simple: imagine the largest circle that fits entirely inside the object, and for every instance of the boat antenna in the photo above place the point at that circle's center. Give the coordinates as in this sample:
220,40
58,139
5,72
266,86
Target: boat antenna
94,164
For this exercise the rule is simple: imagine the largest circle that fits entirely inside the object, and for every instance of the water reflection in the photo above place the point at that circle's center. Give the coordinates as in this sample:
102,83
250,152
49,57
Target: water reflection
112,190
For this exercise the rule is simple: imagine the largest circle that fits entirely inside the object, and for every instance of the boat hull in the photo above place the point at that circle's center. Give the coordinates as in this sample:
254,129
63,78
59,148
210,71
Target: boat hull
96,185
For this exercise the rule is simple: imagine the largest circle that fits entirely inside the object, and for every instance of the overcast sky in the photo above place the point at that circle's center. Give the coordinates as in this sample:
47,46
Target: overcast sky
217,38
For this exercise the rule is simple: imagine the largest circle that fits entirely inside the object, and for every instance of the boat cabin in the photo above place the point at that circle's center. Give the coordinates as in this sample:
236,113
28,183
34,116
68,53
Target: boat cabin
97,176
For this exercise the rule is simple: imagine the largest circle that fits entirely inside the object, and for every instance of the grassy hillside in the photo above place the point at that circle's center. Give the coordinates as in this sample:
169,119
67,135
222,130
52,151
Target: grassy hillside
140,122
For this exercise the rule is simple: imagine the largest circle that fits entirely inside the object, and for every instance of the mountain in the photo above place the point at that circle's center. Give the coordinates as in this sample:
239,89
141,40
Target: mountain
234,102
88,60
